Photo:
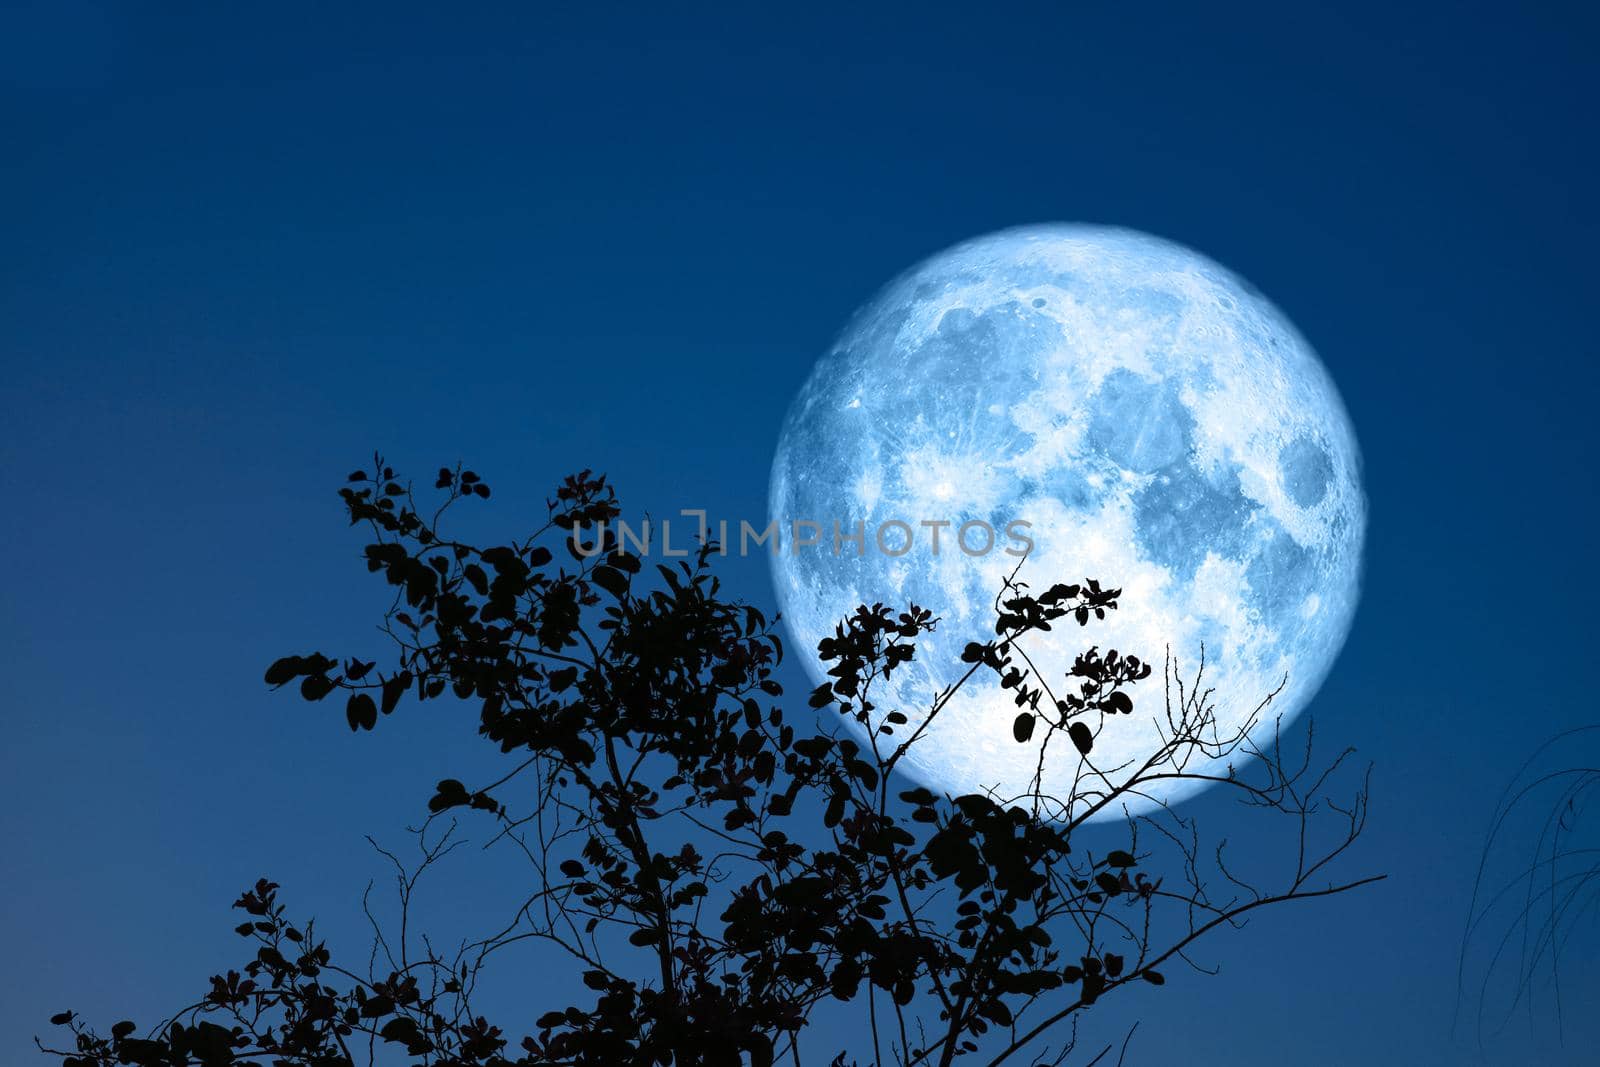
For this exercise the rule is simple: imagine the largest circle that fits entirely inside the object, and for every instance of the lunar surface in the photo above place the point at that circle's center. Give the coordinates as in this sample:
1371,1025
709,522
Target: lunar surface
1159,425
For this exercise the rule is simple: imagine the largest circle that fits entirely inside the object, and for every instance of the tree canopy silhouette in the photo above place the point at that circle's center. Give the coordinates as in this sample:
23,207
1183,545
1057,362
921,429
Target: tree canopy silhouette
715,868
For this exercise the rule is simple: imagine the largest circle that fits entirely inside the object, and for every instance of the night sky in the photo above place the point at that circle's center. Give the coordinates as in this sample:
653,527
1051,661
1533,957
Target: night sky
241,248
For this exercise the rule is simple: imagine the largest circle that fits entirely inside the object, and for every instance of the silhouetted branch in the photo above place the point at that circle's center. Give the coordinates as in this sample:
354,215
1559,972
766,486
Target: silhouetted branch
713,871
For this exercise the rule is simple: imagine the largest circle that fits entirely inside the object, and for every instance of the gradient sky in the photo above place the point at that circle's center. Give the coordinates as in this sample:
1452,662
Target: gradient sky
242,248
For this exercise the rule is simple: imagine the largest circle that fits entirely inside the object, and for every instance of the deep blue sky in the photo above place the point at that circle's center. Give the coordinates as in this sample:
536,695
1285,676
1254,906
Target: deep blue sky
242,247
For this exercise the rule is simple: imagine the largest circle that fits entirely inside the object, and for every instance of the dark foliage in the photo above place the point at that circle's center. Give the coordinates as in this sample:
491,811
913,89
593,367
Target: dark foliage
637,712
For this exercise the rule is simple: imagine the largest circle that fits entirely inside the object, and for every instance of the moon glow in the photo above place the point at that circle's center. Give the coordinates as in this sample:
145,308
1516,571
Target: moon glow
1161,427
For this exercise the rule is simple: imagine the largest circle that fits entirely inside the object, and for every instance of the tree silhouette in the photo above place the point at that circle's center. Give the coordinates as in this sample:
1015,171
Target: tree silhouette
715,870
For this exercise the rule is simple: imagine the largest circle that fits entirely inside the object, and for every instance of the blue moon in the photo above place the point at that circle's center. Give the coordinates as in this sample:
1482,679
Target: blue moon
1154,422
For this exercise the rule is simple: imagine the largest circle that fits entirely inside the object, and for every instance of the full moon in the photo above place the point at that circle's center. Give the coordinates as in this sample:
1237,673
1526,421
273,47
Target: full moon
1155,422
